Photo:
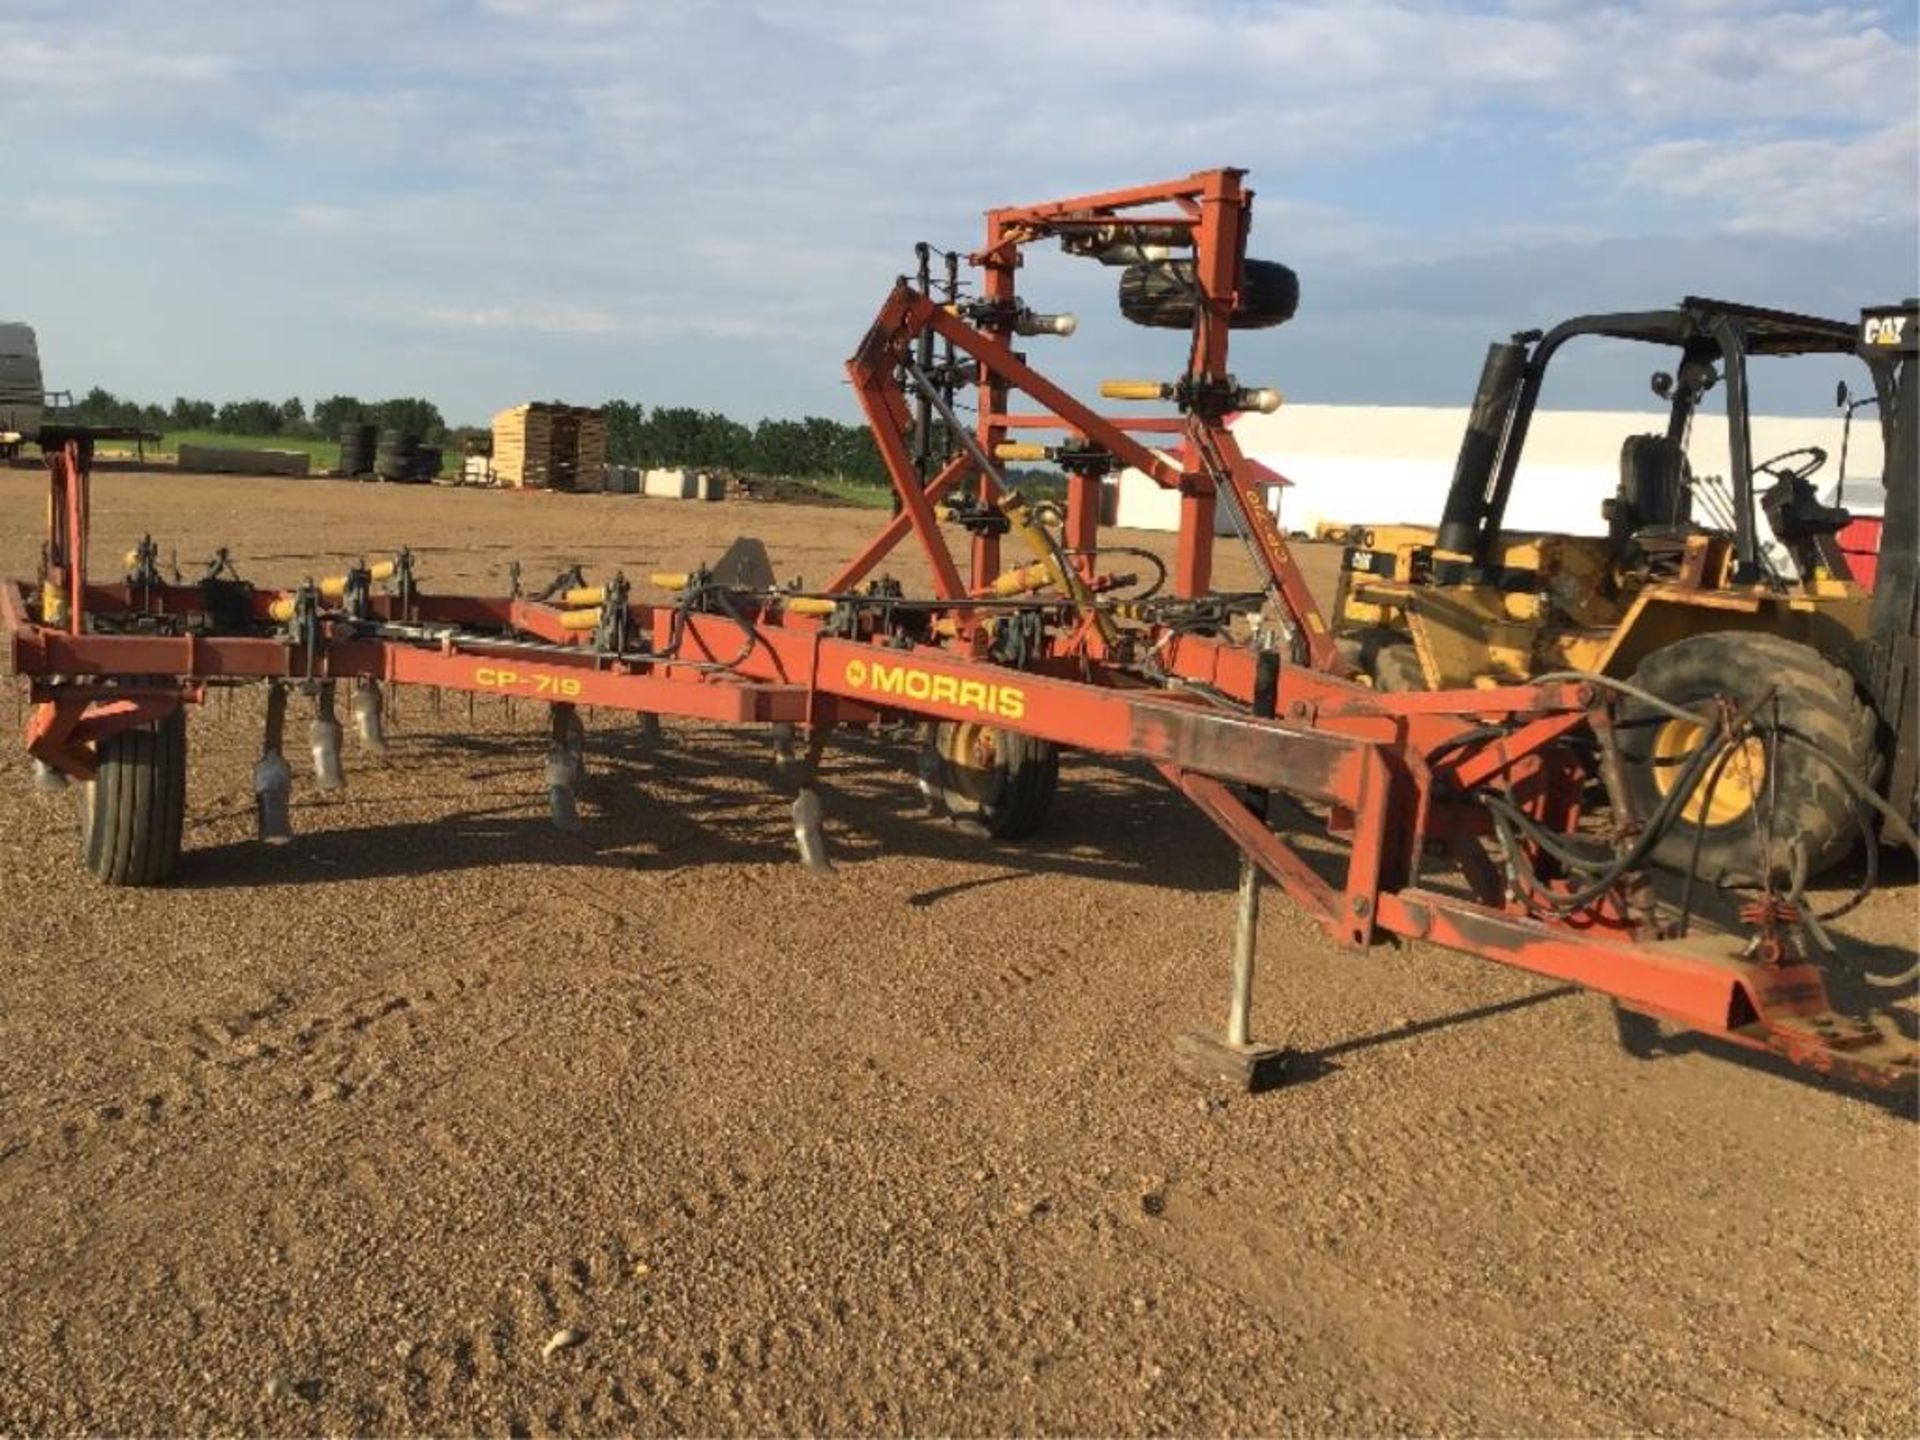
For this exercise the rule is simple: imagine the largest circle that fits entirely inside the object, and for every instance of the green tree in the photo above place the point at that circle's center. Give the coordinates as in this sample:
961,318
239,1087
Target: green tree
188,414
248,417
337,411
410,415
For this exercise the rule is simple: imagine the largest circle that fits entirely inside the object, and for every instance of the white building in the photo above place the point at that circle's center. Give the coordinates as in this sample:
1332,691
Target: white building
1381,464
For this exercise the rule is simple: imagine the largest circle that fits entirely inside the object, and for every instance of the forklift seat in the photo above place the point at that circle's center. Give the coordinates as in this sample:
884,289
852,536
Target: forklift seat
1655,490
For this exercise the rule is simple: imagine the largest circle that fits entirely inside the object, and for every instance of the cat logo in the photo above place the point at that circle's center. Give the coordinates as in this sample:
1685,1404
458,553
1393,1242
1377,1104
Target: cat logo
1885,329
984,697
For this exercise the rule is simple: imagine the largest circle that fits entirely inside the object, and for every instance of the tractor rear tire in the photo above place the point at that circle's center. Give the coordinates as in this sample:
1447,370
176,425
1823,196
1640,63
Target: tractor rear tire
1161,294
131,812
1818,704
1397,669
999,780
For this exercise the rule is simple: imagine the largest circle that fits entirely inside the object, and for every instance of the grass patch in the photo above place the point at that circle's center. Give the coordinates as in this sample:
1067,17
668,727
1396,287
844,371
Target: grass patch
871,497
324,452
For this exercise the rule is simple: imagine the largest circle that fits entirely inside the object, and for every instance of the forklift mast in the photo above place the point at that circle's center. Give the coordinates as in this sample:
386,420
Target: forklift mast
1889,668
1713,338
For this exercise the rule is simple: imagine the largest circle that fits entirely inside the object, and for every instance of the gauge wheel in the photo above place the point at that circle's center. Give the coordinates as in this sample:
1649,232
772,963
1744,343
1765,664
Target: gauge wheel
132,810
1000,780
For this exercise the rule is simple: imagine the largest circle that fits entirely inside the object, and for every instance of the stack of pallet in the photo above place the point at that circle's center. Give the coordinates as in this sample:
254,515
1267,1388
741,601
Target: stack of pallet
549,446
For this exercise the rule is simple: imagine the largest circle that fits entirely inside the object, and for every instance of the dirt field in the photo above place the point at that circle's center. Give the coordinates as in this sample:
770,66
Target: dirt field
338,1137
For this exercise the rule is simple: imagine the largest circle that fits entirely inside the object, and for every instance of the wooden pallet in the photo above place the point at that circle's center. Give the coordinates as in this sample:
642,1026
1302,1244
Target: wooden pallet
548,446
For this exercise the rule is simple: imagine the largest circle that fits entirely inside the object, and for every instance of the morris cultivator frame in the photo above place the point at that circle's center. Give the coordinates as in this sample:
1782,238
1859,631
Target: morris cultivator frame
1463,818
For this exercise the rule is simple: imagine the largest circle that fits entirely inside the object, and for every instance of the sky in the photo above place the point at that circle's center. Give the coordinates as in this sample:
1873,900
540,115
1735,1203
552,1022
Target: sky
677,202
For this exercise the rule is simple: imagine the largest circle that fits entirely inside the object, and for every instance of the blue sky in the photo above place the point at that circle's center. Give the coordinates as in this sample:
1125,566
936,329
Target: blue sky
703,203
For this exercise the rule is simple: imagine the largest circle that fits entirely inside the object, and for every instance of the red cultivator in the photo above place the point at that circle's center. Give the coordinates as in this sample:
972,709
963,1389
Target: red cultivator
1491,820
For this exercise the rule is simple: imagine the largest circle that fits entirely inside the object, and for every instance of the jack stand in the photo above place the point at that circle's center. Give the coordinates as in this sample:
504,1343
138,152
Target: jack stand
368,723
564,767
272,777
807,813
1233,1057
325,736
46,779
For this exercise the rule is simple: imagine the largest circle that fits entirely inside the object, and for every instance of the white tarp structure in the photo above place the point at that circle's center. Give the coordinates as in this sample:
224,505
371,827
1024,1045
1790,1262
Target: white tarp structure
21,389
1380,464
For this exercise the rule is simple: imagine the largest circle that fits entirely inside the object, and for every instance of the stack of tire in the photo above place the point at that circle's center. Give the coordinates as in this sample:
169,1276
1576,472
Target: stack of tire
397,457
357,449
426,470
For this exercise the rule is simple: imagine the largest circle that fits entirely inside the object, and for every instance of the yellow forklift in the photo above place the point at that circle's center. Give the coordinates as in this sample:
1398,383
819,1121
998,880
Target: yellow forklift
1682,603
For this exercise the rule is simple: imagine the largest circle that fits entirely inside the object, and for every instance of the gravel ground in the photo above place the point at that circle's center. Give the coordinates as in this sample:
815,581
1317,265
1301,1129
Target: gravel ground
439,1121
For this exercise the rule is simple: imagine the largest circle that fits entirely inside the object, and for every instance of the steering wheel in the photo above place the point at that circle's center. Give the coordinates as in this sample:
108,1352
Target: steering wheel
1776,467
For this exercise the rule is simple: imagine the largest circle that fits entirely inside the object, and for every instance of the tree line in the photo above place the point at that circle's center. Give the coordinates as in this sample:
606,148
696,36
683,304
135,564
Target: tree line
812,447
680,435
289,417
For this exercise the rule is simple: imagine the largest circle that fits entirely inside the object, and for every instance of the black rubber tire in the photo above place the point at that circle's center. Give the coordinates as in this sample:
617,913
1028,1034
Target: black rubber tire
397,456
1818,702
1161,294
1009,800
132,811
1396,668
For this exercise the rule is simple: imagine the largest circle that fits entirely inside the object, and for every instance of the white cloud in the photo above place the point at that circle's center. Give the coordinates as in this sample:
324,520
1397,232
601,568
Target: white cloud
164,171
73,214
550,319
1793,187
658,170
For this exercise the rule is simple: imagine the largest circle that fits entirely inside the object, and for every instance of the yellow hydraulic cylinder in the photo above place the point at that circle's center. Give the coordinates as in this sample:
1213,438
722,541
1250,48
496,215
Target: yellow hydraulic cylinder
668,579
333,587
1021,521
810,605
580,620
584,595
1135,389
1020,450
1028,577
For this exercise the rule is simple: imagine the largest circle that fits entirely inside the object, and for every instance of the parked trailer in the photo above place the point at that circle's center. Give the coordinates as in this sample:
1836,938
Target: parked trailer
1230,697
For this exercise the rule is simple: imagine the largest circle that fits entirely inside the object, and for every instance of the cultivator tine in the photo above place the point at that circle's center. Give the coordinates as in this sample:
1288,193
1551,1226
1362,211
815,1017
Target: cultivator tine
784,758
369,720
927,772
324,734
650,732
564,767
272,777
807,811
807,830
46,779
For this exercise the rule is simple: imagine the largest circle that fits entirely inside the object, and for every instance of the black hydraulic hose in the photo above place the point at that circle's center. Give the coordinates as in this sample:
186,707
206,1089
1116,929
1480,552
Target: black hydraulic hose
1699,837
1138,553
1657,825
